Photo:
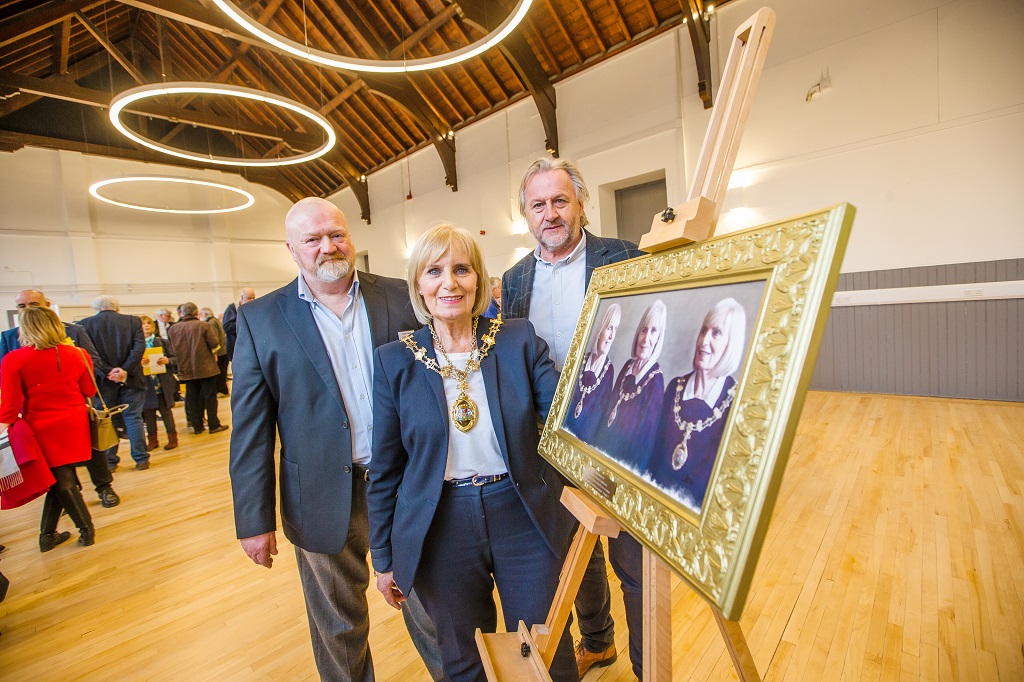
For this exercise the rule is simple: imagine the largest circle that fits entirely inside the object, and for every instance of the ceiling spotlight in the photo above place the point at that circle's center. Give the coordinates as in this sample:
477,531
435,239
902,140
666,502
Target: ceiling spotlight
196,88
94,190
336,61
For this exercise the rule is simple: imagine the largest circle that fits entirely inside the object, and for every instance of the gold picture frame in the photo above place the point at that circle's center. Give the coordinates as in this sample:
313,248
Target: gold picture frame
780,278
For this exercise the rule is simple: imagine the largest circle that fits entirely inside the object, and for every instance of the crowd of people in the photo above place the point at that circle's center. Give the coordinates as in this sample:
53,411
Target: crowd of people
386,419
52,371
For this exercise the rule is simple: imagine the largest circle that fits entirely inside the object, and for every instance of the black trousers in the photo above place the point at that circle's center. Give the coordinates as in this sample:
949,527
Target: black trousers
222,380
99,470
482,537
149,416
200,399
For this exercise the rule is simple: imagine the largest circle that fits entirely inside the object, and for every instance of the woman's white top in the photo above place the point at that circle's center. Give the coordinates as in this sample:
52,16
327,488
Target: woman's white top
476,452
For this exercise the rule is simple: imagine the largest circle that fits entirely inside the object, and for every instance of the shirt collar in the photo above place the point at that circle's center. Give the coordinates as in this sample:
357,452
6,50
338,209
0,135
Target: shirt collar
306,294
580,248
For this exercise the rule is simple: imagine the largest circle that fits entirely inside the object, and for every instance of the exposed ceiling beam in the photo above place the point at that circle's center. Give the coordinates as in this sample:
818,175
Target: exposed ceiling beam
526,65
417,36
700,38
38,18
97,98
62,44
400,90
11,141
111,48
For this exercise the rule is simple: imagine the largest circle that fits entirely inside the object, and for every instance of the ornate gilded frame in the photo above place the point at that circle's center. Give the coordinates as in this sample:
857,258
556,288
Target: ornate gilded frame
715,552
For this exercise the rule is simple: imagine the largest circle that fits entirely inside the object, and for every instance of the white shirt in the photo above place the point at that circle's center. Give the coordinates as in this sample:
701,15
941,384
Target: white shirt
558,292
475,452
350,349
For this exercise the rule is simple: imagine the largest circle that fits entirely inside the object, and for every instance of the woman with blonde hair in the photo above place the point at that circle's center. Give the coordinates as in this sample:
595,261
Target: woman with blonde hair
696,407
460,501
593,386
47,383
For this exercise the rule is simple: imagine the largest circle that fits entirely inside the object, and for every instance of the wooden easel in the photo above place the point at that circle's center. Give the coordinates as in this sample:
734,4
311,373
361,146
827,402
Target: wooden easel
527,655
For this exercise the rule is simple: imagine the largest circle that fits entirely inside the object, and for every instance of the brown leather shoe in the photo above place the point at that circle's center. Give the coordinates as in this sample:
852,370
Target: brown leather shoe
585,660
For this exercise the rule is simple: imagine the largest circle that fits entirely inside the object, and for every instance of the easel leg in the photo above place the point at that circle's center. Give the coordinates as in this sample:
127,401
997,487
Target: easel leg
657,620
736,643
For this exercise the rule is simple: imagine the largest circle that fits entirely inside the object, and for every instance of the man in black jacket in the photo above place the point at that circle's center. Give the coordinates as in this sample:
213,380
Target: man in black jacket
231,315
120,345
99,472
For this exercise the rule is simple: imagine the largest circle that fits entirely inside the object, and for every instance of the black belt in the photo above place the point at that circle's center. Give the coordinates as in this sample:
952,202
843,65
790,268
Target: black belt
362,471
475,480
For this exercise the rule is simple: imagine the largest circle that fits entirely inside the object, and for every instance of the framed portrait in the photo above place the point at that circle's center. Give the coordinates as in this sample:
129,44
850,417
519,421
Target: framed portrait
683,386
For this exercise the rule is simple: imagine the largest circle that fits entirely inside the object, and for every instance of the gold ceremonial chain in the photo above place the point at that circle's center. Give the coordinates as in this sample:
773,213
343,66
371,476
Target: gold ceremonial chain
585,390
680,454
629,396
464,412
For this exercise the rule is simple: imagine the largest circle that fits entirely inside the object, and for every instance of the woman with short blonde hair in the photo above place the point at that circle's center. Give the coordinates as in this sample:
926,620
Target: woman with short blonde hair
47,383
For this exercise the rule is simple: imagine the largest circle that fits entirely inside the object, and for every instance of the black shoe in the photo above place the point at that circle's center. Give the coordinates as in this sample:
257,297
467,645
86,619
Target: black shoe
112,467
48,541
108,498
87,536
142,466
222,427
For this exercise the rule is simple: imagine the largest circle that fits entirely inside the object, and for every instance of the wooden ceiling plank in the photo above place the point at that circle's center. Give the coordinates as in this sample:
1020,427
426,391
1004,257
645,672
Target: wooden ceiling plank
626,35
651,12
62,40
356,23
39,18
590,24
417,36
552,60
111,48
565,33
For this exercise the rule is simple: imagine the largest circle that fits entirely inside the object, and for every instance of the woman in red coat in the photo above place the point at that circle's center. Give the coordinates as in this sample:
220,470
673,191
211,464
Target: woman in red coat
47,383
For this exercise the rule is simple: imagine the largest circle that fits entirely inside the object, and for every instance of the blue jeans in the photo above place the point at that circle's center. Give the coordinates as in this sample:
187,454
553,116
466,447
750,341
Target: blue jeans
134,398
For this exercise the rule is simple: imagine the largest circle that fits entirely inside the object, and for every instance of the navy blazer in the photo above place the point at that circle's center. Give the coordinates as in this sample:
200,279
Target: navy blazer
76,332
284,385
410,443
119,343
517,282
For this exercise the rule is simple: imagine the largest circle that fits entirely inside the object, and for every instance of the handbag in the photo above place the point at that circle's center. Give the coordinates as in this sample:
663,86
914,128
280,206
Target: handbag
101,428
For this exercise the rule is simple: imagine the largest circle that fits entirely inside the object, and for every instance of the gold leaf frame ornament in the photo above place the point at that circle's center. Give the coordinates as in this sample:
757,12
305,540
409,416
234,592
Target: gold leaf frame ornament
794,264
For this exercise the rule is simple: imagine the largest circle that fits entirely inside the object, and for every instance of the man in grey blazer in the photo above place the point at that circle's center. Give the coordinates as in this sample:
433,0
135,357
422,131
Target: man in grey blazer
303,372
548,287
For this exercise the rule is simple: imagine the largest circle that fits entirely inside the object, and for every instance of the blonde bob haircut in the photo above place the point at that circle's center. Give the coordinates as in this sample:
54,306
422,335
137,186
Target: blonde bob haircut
656,316
435,243
40,327
729,316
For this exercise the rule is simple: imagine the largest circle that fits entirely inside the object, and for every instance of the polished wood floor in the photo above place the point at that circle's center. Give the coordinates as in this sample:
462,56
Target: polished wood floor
895,552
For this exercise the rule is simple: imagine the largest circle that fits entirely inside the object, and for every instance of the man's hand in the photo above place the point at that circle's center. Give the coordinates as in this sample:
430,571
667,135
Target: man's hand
261,548
392,595
117,375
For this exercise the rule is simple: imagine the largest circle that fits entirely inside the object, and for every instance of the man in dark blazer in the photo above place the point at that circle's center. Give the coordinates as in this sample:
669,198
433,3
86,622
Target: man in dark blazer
99,472
120,345
303,372
548,287
231,315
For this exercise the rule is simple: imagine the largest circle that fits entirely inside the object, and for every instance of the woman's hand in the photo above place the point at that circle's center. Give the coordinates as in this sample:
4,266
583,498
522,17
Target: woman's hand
386,585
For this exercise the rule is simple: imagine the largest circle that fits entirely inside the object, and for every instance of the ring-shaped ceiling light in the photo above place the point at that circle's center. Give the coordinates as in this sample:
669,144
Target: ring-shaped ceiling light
194,88
337,61
95,191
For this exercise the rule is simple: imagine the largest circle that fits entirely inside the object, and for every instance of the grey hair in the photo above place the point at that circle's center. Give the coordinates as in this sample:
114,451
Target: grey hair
208,311
188,309
729,315
545,164
105,302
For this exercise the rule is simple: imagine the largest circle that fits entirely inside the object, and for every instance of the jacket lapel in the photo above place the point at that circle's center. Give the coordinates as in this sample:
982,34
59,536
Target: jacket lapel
299,317
377,313
489,369
525,288
422,338
595,257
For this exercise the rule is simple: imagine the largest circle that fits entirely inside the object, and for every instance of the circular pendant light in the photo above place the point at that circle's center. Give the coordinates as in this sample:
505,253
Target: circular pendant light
337,61
248,198
195,88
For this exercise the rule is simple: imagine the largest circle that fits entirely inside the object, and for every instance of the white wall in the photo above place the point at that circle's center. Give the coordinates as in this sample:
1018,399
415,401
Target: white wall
923,131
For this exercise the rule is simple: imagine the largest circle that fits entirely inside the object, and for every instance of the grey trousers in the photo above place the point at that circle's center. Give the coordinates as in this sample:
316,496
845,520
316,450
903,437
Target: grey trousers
334,587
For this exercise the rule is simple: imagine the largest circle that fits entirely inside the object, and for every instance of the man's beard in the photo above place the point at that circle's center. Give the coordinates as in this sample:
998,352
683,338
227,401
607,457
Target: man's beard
330,269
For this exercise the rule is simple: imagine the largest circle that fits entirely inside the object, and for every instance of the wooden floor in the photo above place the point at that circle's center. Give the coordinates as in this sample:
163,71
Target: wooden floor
895,552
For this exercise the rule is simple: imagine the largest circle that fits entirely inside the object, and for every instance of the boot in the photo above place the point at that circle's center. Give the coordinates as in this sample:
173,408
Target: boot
79,513
153,442
172,441
48,535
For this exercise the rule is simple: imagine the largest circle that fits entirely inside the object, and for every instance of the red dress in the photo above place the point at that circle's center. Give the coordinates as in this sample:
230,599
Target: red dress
48,388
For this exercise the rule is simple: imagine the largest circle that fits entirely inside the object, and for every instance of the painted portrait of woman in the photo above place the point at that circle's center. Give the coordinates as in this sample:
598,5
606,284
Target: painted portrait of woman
594,385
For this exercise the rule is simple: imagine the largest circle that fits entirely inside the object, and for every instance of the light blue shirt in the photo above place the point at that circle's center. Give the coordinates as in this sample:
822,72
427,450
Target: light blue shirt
350,350
557,299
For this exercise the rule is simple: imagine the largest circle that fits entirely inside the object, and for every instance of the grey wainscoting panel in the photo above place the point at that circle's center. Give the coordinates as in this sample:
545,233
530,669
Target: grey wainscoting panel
963,349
